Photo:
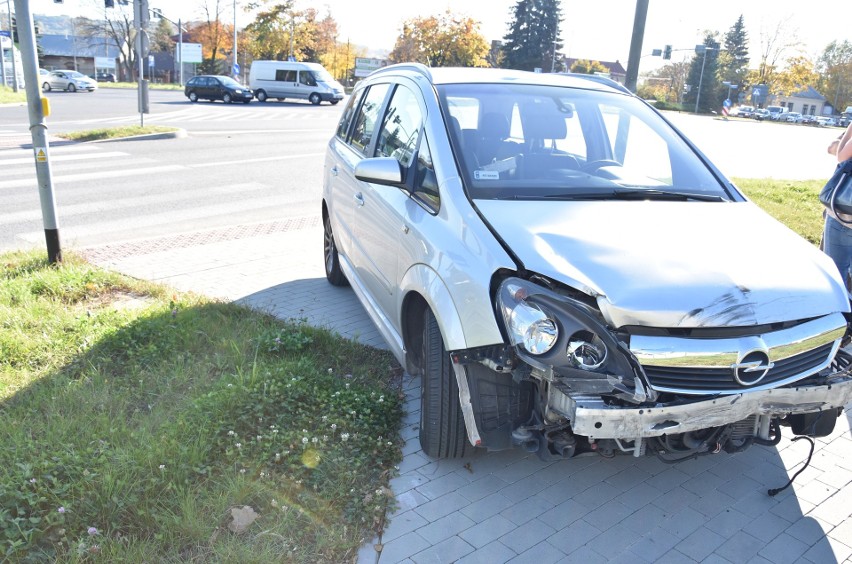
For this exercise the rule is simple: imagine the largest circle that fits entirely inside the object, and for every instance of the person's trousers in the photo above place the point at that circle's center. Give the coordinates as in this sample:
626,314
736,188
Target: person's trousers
837,243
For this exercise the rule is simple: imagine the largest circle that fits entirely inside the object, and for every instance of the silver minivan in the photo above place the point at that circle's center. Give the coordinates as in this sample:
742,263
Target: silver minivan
568,274
294,80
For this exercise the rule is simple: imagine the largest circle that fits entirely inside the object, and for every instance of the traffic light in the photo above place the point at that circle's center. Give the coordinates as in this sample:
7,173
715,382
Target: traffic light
667,52
14,29
109,3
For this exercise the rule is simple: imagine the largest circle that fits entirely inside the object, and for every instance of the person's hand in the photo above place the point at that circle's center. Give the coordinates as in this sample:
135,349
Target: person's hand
832,148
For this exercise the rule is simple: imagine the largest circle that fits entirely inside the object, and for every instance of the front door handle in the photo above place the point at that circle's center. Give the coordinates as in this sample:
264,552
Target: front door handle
359,199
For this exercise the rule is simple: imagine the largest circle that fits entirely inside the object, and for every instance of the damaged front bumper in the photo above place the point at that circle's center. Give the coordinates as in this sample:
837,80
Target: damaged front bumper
590,416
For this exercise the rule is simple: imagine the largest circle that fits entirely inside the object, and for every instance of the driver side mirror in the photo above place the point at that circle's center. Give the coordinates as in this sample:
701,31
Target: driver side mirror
380,170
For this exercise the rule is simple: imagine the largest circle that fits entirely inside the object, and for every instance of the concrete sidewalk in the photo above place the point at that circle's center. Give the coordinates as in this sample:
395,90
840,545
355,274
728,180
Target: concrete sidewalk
510,506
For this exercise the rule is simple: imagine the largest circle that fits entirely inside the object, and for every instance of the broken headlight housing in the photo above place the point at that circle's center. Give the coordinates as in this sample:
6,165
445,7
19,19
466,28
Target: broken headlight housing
552,331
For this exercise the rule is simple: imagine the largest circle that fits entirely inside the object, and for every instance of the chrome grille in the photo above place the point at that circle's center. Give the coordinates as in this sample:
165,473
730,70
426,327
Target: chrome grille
710,380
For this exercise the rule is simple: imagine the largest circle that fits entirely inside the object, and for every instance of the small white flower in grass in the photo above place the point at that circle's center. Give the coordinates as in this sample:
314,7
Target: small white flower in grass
231,433
162,466
344,437
259,438
61,510
239,445
230,385
92,531
314,440
381,399
333,426
242,470
32,480
325,417
304,440
330,370
347,385
277,456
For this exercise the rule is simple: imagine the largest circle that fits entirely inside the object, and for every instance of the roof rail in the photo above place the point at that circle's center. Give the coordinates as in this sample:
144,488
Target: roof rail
416,67
601,80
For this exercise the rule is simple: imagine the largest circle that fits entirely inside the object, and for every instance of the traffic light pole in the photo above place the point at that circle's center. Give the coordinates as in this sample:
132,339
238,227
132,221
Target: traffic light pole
14,64
29,63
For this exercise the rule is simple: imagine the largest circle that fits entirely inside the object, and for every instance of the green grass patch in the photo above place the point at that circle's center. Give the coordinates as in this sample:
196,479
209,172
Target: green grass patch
9,96
138,425
115,132
794,203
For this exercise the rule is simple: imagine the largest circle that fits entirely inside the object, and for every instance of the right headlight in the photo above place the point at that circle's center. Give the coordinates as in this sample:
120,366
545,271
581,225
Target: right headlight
550,329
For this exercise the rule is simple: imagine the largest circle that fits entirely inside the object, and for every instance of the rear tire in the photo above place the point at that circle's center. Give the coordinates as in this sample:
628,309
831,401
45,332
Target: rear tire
193,97
227,98
331,259
46,87
442,428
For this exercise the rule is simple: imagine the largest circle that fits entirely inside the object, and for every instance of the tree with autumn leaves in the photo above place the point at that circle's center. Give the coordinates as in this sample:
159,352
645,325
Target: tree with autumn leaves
447,40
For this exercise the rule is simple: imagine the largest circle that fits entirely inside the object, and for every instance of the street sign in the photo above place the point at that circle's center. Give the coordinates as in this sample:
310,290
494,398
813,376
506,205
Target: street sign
5,33
191,52
236,69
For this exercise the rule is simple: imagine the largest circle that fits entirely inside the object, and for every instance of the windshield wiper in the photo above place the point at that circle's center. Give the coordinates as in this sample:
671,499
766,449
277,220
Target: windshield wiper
647,194
633,194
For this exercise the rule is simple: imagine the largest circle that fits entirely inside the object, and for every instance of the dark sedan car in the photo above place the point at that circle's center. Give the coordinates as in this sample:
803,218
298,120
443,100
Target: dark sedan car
217,87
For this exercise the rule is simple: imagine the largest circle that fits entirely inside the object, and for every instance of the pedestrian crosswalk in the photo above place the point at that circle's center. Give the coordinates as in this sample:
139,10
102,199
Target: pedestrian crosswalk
218,112
106,194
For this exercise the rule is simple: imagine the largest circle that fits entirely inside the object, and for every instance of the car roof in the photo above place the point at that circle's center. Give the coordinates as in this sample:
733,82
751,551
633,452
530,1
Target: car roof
469,75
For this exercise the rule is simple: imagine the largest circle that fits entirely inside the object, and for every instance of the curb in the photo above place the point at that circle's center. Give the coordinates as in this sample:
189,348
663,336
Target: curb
179,134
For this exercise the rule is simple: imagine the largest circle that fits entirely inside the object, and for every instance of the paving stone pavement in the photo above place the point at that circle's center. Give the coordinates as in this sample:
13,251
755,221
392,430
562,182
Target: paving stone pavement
510,506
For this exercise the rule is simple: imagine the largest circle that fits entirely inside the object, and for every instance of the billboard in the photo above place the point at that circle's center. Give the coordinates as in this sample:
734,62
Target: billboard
191,52
364,66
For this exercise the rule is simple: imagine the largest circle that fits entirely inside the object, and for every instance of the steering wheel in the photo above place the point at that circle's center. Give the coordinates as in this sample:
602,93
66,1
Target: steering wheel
592,166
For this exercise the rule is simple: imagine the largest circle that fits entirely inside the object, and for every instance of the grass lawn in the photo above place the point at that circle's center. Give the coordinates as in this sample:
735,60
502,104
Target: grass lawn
139,425
142,425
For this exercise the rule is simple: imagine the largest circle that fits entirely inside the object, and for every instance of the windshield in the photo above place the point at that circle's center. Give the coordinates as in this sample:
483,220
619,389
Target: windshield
75,74
519,141
230,82
323,76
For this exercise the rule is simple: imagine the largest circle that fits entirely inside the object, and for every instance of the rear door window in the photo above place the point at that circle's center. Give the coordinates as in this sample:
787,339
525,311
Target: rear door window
368,114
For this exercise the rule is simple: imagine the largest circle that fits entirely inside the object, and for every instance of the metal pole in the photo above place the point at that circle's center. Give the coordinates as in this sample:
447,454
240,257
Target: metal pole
700,80
180,52
14,63
636,45
553,62
235,40
3,60
29,63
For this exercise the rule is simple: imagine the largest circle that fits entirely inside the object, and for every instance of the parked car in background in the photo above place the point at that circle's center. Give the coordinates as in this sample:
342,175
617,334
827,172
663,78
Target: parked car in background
534,247
775,111
217,87
761,114
70,81
794,117
826,121
744,111
105,77
809,119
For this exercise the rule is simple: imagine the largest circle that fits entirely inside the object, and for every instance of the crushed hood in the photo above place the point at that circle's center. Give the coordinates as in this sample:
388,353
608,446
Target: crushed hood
673,264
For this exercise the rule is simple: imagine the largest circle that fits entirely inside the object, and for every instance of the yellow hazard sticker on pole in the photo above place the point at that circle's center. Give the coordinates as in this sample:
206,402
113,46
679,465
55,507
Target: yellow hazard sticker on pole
40,154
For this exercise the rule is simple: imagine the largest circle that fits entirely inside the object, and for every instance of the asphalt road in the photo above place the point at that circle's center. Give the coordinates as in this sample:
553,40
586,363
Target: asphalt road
239,164
255,163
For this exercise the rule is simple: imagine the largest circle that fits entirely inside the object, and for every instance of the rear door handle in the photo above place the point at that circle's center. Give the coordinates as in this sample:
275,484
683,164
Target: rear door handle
333,170
359,199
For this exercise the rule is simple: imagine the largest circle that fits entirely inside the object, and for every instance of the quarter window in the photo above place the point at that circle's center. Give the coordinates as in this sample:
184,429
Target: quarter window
285,75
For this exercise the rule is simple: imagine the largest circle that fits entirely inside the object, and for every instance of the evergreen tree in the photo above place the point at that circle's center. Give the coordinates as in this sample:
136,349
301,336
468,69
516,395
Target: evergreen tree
534,35
733,61
702,71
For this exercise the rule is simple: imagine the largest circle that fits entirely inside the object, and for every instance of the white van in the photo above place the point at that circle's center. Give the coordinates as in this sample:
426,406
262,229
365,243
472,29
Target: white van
291,79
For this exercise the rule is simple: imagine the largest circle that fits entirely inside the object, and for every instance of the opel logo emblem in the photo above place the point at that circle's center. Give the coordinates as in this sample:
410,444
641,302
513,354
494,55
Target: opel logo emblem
752,367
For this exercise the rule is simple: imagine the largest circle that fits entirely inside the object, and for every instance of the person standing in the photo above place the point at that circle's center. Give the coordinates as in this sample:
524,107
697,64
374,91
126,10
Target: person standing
837,237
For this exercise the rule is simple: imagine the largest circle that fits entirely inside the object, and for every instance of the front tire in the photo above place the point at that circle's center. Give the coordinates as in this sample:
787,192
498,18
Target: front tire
261,96
331,259
315,99
72,88
442,429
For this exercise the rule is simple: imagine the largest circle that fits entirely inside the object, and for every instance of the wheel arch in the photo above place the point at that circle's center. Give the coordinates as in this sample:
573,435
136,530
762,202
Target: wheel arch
421,288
